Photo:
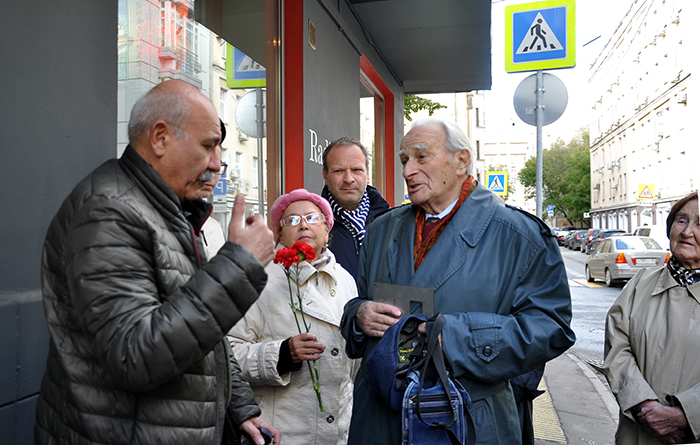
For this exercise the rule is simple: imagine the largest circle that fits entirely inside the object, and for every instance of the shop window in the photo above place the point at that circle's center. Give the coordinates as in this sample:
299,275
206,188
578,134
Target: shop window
221,48
372,129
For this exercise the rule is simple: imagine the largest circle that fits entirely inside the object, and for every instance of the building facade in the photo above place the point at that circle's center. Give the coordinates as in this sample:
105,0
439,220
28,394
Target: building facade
643,129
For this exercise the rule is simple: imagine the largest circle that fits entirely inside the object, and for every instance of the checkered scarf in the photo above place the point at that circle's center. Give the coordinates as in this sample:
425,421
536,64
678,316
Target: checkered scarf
684,277
353,220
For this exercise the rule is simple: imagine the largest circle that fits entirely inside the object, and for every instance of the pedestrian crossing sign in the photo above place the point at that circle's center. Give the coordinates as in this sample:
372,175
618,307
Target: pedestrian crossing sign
540,36
497,182
242,71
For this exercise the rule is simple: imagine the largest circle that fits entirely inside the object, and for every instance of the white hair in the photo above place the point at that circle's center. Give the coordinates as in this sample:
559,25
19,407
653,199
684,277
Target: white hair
455,138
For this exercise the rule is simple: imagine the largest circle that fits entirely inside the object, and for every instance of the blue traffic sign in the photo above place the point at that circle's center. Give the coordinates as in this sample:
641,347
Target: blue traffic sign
540,36
242,71
220,188
497,182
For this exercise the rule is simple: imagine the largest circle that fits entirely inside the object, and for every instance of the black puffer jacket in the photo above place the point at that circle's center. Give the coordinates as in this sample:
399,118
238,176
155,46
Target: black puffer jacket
137,354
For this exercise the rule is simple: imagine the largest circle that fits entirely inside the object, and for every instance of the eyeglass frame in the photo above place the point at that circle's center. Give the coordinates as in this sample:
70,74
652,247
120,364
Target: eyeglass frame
304,217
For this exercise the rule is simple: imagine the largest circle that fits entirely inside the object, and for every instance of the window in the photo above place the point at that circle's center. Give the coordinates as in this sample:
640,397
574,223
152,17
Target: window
238,166
255,172
619,184
480,118
478,149
193,41
223,96
372,129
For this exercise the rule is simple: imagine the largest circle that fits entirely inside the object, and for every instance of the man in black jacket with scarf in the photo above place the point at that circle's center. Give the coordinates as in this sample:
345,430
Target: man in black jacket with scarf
355,203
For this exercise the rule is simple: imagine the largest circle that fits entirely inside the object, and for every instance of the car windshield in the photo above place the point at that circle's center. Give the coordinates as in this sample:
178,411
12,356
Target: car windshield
609,234
636,244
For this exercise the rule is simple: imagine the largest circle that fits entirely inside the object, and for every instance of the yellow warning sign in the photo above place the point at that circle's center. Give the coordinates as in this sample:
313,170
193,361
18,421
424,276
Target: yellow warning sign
646,192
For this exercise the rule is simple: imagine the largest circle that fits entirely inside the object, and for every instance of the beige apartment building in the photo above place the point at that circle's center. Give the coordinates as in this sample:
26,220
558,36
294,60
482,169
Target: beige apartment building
644,131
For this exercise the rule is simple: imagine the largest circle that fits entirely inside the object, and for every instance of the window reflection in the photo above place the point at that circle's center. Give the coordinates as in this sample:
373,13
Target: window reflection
161,40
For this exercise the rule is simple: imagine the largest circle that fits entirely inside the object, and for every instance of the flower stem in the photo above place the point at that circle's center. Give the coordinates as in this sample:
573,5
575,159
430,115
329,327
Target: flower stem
313,373
291,299
316,384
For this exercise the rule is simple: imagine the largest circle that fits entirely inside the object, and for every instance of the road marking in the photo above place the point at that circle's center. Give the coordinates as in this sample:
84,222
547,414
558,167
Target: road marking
545,420
584,282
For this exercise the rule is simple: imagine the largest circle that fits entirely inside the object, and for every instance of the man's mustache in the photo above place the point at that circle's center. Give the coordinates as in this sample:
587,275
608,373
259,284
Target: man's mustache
207,176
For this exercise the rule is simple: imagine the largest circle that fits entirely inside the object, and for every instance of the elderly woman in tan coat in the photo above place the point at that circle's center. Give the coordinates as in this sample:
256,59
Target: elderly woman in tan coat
274,356
652,342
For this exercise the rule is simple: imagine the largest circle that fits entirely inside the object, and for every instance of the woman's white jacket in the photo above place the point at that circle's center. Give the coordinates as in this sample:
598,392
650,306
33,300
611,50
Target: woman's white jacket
288,401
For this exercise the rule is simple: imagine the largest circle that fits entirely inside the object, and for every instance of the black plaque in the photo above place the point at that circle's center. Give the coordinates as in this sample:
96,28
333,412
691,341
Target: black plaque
410,299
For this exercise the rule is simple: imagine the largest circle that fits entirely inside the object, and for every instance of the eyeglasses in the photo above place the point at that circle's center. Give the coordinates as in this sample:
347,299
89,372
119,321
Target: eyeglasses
295,220
224,166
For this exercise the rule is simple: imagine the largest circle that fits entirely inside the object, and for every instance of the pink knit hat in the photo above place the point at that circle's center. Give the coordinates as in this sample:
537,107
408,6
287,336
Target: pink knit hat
281,204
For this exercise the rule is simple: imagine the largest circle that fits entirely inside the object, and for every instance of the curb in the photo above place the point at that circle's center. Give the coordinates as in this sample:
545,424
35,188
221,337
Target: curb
602,390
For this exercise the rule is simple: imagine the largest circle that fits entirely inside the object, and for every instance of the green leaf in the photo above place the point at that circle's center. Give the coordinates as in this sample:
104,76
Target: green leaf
413,104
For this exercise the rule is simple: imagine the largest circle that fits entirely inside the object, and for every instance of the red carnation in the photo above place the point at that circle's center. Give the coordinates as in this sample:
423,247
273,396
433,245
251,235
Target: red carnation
299,251
306,250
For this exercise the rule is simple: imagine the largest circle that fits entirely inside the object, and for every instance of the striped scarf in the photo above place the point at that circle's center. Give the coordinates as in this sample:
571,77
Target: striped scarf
684,277
353,220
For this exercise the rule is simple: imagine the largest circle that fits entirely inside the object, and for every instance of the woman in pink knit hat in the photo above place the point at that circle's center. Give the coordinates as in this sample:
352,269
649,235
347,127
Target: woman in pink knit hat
267,342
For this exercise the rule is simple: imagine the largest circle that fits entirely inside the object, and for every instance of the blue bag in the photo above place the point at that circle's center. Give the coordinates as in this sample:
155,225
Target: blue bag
390,362
408,371
435,408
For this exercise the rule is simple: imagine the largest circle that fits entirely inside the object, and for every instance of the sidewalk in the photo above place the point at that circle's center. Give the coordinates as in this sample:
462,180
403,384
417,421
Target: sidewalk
577,407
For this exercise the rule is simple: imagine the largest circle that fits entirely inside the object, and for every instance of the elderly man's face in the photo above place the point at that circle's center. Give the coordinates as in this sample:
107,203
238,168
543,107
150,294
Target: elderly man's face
434,175
186,160
685,236
346,177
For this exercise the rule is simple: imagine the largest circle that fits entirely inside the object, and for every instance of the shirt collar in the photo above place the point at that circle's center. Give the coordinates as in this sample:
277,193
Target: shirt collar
444,213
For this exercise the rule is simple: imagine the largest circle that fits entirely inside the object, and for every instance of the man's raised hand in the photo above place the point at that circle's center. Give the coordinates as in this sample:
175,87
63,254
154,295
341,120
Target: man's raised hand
254,236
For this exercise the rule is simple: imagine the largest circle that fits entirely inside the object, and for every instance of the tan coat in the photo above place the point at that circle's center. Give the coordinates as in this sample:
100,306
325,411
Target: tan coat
652,350
288,402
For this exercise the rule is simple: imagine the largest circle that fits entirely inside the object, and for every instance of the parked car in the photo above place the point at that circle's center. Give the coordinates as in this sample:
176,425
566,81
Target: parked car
562,232
600,236
575,242
586,242
567,239
620,257
657,231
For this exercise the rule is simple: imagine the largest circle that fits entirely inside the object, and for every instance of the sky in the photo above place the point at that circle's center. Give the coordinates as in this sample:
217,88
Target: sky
596,21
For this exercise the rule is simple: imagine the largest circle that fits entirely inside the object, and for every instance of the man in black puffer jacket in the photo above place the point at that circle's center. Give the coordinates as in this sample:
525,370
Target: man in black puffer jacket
137,321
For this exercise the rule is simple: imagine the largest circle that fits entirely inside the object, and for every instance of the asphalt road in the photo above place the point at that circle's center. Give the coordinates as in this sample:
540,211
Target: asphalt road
590,303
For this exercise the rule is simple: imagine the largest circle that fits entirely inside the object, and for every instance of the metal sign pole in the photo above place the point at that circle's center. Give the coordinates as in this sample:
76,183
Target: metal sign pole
539,106
260,119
